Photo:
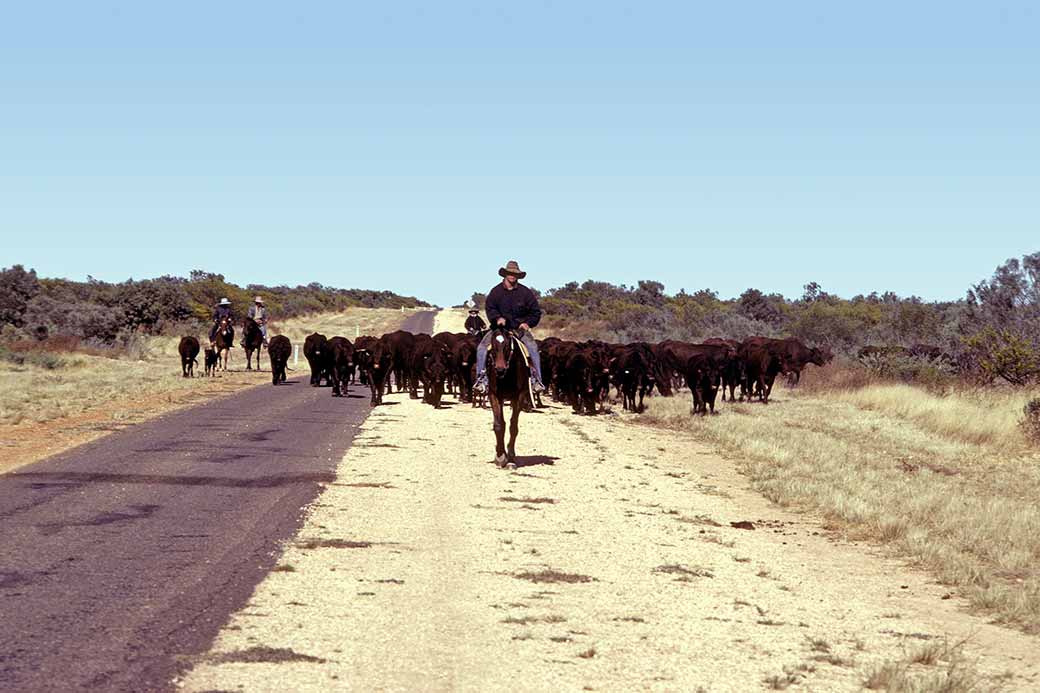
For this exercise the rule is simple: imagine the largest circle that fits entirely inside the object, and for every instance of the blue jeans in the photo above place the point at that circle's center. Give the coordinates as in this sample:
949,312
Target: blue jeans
532,348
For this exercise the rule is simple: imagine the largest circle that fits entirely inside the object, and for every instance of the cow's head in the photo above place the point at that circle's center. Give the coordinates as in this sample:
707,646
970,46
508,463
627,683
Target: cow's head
821,356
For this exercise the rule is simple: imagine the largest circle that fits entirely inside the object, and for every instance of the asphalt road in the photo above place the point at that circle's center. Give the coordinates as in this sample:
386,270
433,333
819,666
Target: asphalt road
121,557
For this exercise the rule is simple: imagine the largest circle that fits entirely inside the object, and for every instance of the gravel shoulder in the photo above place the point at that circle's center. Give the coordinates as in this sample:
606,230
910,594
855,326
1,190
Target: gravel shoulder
607,561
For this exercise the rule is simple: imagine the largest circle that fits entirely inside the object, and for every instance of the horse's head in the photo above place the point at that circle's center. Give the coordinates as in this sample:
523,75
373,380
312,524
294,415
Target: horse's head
501,350
225,325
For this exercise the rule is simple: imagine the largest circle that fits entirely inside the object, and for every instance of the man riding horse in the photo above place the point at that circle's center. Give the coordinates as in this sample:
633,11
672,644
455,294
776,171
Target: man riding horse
513,306
474,323
222,312
258,313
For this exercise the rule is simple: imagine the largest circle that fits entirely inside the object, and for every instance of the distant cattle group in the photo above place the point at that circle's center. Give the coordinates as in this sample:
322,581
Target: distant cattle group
579,374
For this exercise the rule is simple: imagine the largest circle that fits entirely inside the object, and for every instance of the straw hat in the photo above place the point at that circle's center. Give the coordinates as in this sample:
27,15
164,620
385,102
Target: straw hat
258,300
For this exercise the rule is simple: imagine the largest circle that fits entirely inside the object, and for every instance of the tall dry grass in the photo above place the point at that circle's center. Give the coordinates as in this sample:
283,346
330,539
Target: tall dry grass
51,383
947,480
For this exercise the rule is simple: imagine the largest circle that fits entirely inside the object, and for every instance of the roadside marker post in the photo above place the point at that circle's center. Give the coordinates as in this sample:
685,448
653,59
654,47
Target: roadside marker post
296,355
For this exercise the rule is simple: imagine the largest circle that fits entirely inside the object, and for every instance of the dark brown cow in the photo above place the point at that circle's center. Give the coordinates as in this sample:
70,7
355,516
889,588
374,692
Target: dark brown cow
278,351
633,375
339,356
374,359
795,354
464,356
763,361
400,344
189,351
314,350
733,372
428,366
702,373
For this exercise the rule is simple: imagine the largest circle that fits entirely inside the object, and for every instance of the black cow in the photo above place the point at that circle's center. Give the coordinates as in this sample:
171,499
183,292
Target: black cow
314,349
701,373
400,344
464,356
374,359
733,372
278,351
633,374
582,380
189,350
763,361
339,354
428,366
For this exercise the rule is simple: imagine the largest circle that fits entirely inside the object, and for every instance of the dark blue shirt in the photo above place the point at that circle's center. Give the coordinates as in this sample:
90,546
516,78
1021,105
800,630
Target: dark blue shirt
517,306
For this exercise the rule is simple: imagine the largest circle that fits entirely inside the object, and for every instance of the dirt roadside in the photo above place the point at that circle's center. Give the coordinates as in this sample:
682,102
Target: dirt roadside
607,561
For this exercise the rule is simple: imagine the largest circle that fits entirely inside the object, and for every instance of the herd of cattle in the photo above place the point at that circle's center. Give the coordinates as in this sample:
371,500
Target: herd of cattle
580,374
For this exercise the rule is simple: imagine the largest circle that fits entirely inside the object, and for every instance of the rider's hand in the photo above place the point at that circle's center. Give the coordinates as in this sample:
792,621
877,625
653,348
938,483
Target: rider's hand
524,327
501,322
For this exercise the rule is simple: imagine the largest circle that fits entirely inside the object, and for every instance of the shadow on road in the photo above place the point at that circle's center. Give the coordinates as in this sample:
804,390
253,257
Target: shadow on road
534,460
102,478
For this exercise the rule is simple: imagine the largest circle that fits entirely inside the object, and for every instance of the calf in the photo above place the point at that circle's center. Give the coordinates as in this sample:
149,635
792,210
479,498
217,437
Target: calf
278,350
339,355
189,350
212,360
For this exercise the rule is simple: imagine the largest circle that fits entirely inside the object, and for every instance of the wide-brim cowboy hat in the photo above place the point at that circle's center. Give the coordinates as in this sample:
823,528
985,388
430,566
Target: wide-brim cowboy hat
224,302
258,300
511,268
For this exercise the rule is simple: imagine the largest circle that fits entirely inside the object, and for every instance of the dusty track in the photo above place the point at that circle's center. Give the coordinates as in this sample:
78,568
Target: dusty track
122,556
607,561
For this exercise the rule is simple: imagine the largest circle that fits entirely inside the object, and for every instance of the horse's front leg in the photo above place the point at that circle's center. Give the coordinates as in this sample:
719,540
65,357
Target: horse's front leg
499,425
514,428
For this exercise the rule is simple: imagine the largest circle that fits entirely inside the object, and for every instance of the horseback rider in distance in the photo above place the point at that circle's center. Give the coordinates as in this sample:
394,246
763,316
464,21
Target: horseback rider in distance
474,323
221,312
258,312
512,305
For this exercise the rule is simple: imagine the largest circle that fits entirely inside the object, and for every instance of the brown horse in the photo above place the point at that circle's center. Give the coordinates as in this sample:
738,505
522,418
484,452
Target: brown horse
509,378
252,340
224,340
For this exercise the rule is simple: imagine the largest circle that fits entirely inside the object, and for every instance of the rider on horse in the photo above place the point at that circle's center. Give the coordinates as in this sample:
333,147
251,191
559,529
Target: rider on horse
515,307
258,313
474,323
222,312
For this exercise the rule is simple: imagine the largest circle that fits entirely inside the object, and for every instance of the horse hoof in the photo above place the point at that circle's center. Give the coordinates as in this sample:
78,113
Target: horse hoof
500,461
510,465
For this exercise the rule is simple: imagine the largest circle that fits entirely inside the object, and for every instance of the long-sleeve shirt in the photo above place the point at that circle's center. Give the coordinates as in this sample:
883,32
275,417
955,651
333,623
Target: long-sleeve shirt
474,324
258,313
518,305
221,312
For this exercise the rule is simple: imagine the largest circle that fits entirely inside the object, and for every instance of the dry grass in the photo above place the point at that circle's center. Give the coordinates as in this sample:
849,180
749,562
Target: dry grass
52,385
947,480
349,323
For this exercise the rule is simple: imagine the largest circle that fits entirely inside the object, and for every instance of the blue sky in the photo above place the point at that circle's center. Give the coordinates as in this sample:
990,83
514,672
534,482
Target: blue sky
418,146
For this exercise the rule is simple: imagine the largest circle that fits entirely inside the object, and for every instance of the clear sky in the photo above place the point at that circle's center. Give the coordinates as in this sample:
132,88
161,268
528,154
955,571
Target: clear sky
418,146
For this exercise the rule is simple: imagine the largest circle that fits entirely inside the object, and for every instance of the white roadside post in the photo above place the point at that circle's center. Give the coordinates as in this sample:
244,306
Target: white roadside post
296,355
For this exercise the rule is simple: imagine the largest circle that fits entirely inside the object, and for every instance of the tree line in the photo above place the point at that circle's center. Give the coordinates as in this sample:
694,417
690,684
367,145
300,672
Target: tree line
103,313
992,333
